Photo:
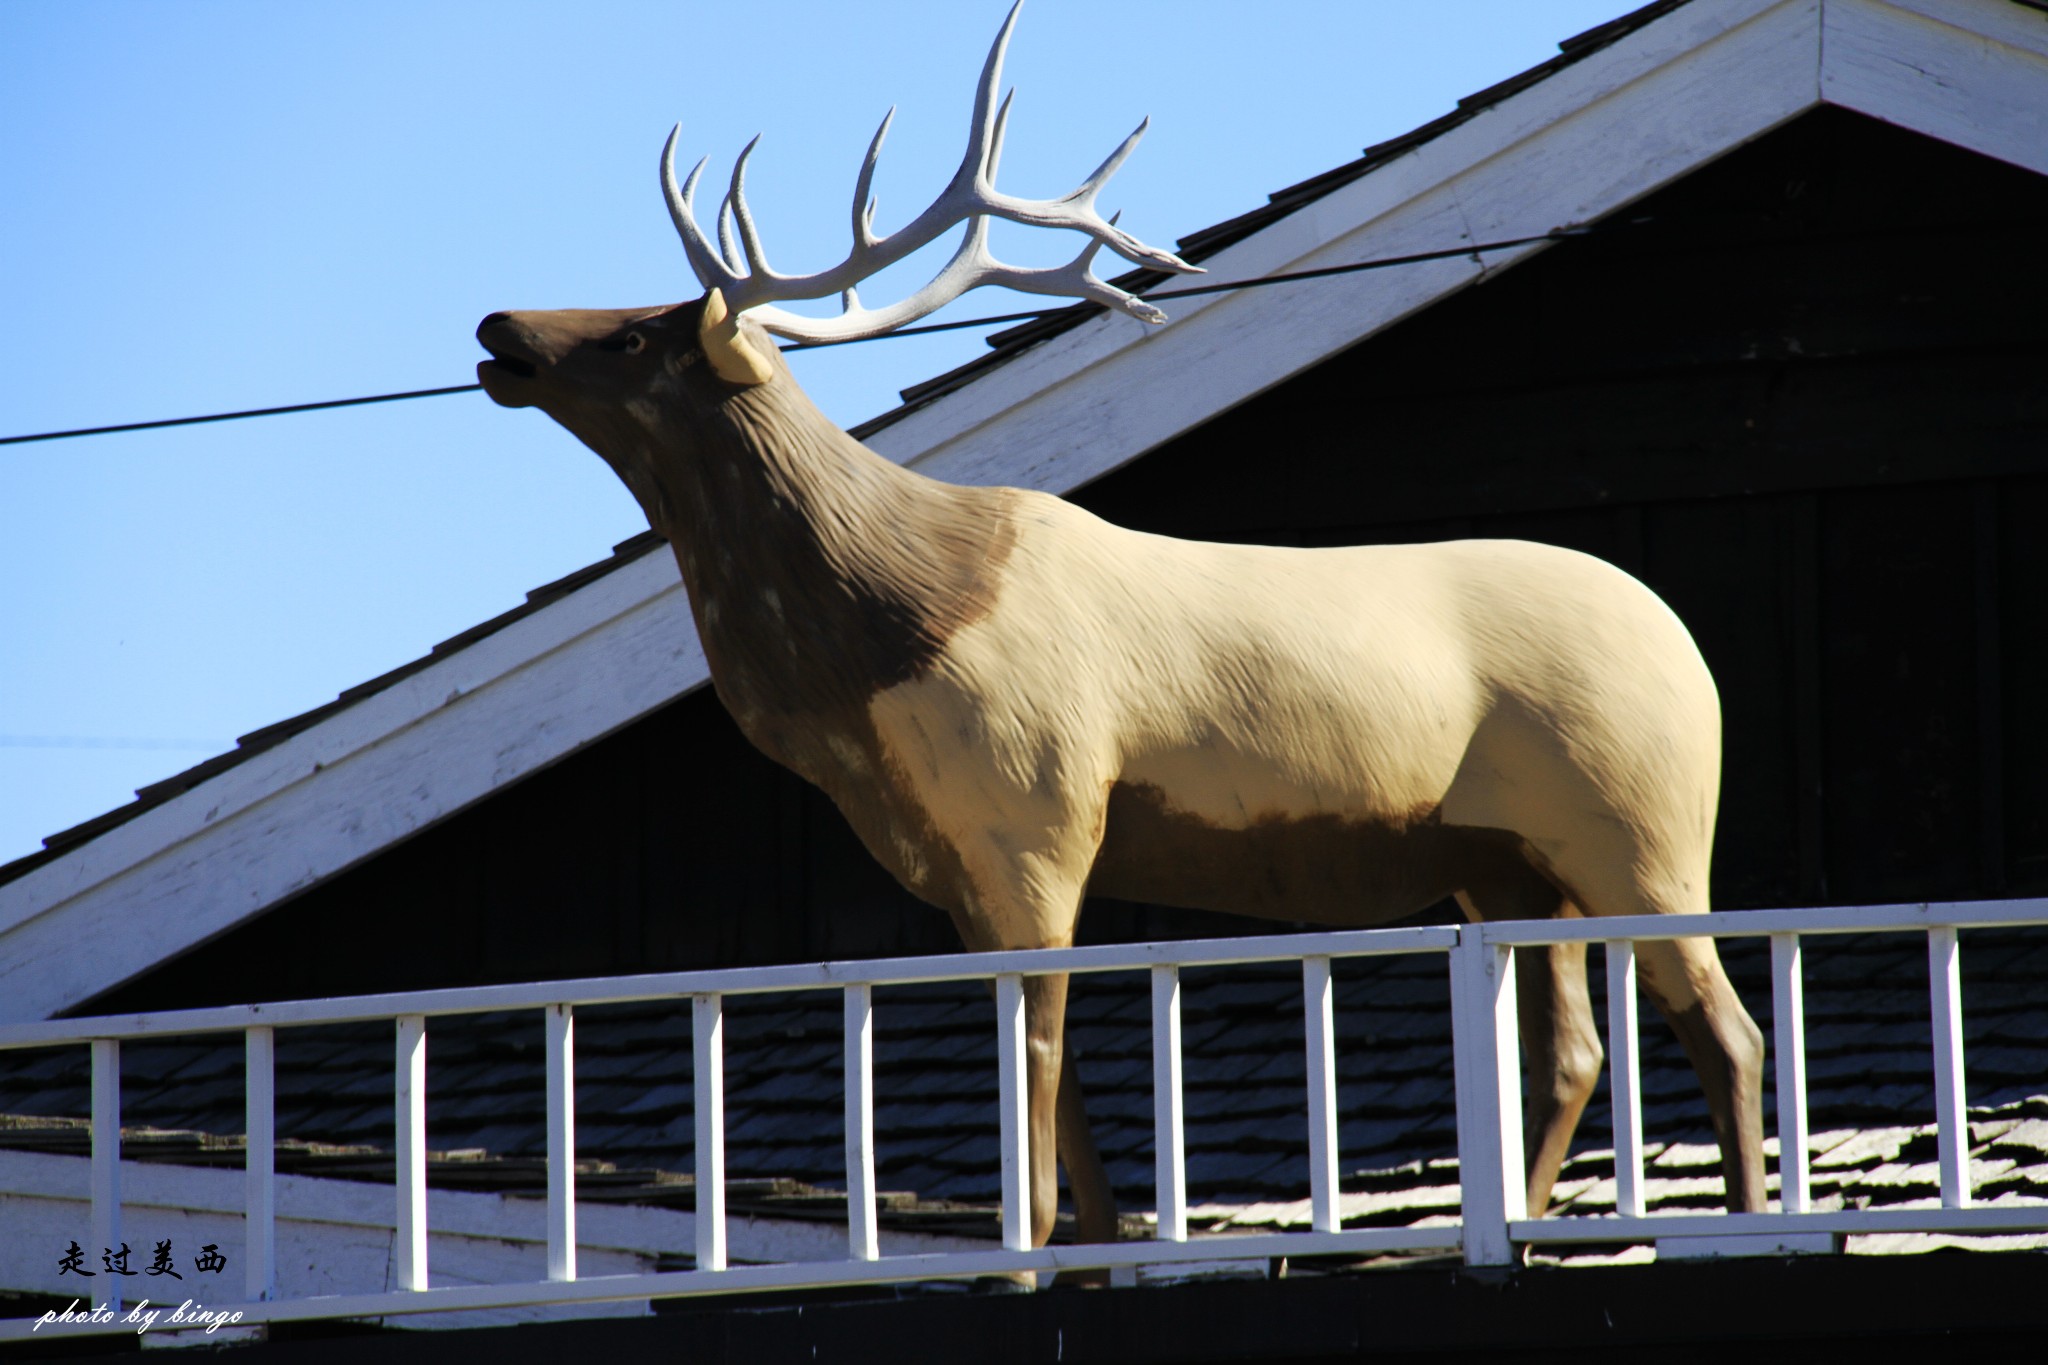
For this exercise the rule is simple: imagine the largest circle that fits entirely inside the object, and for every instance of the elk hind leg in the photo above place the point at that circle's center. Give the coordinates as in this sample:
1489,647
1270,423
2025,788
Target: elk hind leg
1564,1057
1685,980
1560,1045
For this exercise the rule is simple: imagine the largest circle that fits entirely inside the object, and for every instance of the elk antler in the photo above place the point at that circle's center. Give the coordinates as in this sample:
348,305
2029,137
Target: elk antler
740,270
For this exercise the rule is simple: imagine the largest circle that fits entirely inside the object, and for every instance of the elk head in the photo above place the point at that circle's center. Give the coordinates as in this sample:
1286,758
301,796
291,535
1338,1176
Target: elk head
626,380
632,383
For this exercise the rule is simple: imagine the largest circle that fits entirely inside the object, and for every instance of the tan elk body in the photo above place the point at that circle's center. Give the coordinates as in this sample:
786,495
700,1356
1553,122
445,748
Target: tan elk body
1017,704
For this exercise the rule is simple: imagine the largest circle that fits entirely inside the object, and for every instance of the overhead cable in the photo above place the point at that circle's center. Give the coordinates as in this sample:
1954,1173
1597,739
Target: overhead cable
1291,277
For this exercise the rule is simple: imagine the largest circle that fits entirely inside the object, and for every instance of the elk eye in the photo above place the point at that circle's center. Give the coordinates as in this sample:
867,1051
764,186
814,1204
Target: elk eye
635,343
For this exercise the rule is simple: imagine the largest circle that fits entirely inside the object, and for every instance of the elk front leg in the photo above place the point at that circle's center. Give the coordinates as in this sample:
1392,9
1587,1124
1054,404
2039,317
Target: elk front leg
1026,893
1563,1051
1045,1012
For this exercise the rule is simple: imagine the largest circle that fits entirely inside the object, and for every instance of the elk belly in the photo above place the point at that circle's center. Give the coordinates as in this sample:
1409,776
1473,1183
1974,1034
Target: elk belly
1321,868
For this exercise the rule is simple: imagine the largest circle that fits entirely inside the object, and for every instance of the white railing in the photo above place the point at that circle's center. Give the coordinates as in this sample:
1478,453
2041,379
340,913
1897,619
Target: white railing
1494,1222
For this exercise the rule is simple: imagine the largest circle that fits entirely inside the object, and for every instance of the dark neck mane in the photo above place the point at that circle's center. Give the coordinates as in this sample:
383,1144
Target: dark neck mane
819,572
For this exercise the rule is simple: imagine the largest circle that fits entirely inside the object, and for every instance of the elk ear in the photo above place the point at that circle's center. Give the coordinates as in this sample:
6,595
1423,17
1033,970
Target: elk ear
731,354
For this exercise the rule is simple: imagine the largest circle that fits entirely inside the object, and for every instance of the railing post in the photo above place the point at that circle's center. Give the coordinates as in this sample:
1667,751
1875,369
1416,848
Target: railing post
1319,1028
708,1040
410,1104
1489,1090
1945,984
1169,1145
259,1104
1788,1037
1014,1103
1624,1081
561,1079
862,1234
106,1155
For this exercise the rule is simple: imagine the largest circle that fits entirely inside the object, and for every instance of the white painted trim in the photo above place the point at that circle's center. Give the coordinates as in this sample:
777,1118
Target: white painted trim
259,1163
1487,1074
707,1104
1319,1028
859,1009
358,782
755,1279
1951,1109
376,718
707,986
1832,919
1788,1041
1013,1112
561,1138
1617,125
1625,1078
336,1236
106,1156
2004,22
409,1145
1916,1217
1588,140
1970,72
1169,1130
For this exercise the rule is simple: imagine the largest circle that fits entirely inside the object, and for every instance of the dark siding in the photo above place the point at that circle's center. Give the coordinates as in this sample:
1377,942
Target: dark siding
1803,400
2022,604
1733,571
1897,652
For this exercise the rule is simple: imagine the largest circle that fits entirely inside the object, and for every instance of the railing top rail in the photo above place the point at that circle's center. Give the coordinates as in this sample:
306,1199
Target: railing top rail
614,990
1840,919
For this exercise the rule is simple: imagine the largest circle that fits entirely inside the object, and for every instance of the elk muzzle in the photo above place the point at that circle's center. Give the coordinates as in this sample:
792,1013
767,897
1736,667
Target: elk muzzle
514,360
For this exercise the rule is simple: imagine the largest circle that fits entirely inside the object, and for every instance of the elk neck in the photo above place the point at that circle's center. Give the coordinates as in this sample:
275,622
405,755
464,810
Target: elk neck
819,573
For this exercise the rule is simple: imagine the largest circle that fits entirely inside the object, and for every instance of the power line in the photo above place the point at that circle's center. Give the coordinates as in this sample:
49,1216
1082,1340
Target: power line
233,416
1414,258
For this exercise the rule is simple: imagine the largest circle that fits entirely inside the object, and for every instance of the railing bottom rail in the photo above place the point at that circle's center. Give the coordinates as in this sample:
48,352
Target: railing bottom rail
1987,1218
755,1279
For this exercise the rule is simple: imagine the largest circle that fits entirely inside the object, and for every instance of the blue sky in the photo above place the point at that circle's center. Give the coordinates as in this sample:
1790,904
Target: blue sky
215,206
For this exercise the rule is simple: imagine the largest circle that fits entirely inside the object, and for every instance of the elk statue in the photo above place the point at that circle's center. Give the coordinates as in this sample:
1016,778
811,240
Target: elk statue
1016,704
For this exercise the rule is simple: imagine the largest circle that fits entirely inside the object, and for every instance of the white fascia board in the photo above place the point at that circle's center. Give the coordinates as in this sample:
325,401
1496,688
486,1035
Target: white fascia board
361,780
1590,139
1969,72
335,1236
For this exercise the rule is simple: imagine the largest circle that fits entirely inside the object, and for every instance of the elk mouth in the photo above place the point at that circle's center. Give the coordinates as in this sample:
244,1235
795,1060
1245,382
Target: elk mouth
500,335
504,378
523,368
